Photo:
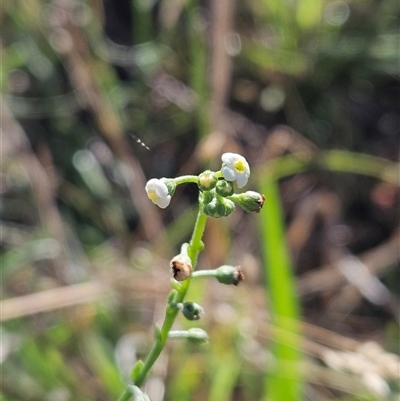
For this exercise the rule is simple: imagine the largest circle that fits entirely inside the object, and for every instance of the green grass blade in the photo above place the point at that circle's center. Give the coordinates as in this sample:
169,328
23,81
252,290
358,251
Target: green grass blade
283,380
224,376
340,161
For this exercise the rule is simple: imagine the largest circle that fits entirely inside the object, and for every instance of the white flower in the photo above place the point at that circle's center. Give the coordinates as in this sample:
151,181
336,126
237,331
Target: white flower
158,193
235,167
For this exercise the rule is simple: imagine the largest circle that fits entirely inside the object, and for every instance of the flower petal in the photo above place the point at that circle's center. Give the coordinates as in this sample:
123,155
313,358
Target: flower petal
228,173
149,184
241,180
164,202
229,158
162,189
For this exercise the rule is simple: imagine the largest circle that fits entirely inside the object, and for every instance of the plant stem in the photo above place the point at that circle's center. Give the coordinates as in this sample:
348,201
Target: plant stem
126,395
196,243
195,246
184,179
205,273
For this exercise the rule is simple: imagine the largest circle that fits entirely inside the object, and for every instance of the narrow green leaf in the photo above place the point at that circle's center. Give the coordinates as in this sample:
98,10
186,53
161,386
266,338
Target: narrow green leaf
158,333
136,369
283,382
224,377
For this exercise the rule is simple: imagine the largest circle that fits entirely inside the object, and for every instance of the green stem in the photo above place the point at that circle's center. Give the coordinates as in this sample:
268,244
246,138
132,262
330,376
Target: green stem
205,273
178,334
235,197
126,395
184,179
195,246
196,243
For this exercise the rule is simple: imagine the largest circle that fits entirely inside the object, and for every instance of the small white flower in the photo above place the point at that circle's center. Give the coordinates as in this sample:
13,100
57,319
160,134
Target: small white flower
157,192
235,167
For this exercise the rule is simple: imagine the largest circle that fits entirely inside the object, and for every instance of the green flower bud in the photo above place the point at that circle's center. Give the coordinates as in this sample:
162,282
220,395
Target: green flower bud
229,275
250,201
219,207
197,335
192,311
207,180
224,188
207,196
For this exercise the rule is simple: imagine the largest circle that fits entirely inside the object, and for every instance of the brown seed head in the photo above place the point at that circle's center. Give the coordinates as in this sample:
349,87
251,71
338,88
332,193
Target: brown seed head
238,275
181,268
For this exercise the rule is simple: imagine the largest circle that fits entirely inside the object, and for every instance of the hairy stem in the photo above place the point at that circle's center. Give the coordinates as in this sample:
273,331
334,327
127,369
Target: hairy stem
184,179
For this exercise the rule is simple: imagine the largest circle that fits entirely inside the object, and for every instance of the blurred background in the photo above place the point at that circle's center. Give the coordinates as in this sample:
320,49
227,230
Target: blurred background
100,96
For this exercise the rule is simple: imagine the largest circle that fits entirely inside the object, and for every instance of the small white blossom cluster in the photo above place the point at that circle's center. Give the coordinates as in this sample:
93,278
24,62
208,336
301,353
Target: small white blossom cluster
234,168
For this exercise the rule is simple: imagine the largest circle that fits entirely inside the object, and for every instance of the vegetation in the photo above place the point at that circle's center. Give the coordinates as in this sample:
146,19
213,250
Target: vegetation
98,97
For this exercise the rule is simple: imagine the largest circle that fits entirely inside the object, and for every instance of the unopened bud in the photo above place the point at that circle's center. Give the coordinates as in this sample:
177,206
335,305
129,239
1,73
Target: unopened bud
181,267
192,311
229,275
224,188
219,207
250,201
207,180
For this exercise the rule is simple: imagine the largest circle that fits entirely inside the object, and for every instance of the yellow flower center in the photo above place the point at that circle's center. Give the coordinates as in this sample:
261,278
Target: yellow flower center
240,166
152,195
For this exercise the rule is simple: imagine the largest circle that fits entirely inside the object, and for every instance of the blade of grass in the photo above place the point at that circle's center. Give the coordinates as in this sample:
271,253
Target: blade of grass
188,377
281,383
341,161
224,376
99,359
198,64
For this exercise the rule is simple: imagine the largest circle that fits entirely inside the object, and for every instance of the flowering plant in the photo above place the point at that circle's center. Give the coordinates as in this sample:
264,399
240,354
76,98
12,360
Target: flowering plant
216,199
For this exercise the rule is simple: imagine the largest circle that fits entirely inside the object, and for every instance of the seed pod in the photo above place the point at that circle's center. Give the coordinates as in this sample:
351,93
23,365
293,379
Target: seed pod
230,274
181,267
192,311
